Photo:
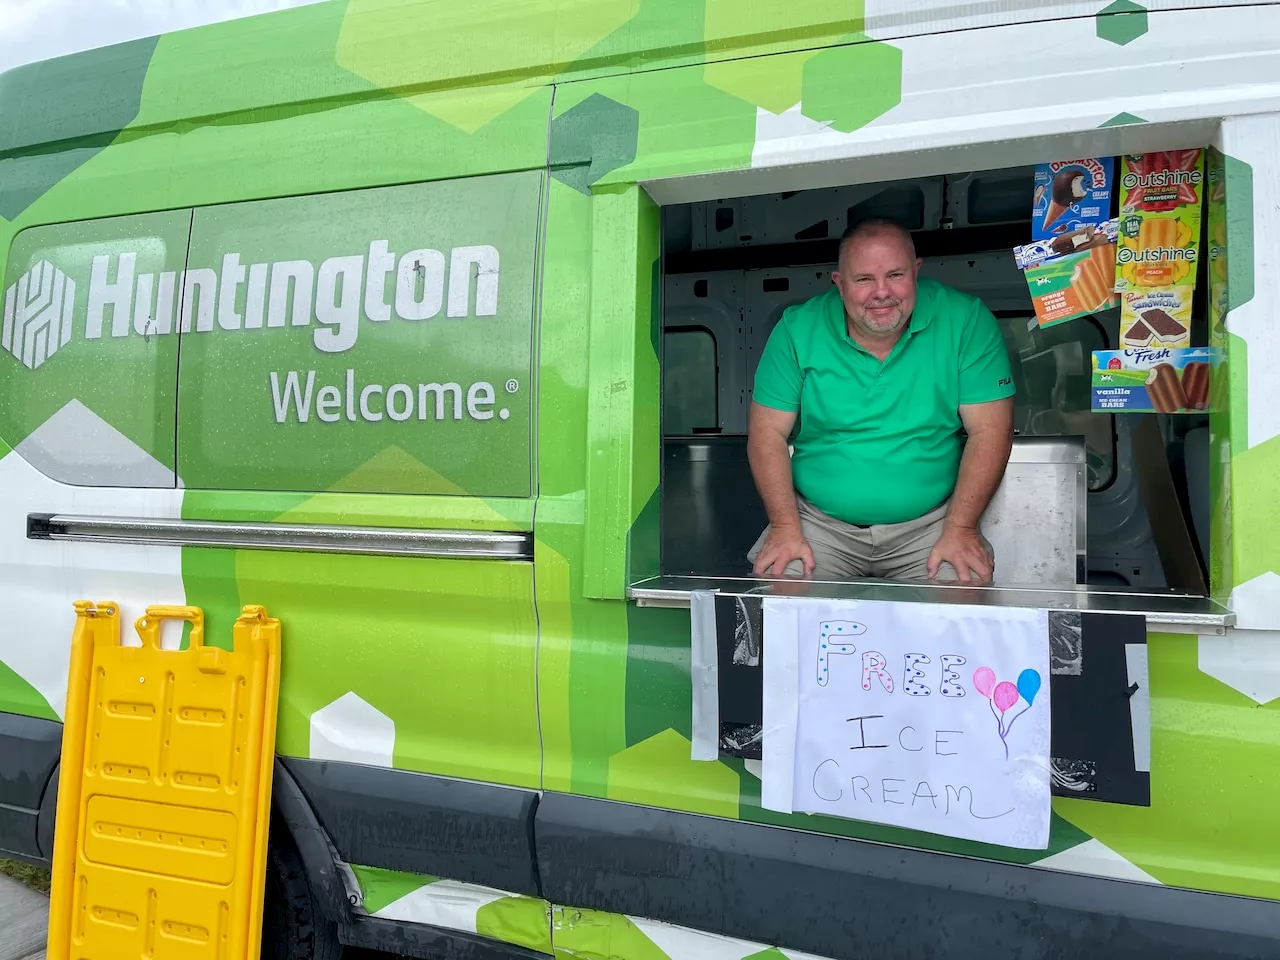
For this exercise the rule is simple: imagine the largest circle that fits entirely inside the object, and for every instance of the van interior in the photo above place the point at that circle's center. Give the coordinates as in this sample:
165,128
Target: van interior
732,266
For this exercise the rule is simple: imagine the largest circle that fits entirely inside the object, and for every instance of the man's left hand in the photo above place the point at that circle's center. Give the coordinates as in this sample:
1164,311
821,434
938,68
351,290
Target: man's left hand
965,551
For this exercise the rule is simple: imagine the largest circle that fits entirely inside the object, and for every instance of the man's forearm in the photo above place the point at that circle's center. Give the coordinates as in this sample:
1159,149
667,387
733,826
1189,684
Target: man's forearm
771,468
981,469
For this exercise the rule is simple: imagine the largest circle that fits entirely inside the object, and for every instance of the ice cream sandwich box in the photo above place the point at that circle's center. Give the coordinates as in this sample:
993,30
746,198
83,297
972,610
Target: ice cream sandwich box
1153,380
1074,285
1070,195
1155,317
1160,209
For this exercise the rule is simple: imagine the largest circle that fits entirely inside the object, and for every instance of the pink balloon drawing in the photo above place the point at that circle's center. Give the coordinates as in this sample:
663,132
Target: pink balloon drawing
1003,696
984,678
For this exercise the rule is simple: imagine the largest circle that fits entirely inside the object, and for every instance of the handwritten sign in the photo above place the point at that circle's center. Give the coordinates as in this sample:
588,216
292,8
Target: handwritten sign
929,716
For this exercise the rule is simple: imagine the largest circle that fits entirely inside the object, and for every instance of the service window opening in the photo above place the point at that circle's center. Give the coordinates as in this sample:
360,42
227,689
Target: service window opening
732,266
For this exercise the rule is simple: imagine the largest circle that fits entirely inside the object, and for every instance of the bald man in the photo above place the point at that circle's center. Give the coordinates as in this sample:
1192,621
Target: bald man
904,395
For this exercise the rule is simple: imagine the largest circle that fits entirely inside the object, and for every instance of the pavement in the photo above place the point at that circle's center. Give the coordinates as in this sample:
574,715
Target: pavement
24,921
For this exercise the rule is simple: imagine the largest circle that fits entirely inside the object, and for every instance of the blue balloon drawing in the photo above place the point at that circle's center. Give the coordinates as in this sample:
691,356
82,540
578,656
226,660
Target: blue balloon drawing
1029,685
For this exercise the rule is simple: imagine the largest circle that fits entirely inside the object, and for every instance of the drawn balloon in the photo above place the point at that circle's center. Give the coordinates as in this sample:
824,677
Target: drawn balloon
984,678
1029,685
1005,695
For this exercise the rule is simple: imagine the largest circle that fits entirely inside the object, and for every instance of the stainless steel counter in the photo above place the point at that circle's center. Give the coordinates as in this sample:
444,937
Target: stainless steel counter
1166,611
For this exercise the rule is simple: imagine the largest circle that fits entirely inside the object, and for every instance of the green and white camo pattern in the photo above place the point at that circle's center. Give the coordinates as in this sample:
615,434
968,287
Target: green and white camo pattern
454,668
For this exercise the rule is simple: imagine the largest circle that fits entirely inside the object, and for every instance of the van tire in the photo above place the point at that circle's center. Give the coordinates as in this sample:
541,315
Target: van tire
293,925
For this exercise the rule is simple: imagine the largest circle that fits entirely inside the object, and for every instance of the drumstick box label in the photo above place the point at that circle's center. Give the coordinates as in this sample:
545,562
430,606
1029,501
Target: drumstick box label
1071,285
1160,380
1160,210
1070,195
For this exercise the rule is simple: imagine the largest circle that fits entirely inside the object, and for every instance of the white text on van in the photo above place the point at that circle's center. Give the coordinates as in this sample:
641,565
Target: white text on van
292,292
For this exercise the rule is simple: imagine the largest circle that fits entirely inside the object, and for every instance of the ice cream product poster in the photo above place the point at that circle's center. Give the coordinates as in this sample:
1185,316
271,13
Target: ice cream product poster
1161,380
1160,209
1075,241
1155,317
1074,285
1071,195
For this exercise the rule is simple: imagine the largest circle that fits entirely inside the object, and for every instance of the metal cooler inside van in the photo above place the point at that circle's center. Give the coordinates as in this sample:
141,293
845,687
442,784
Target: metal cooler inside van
1036,522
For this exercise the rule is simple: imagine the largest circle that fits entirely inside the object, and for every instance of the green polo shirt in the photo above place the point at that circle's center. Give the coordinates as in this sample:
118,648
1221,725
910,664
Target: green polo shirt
881,442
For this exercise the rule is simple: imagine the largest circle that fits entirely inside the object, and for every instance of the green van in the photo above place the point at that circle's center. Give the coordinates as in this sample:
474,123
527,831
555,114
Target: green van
432,328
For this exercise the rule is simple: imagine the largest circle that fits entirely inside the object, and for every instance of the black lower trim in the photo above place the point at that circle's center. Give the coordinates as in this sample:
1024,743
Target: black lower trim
847,898
471,832
296,815
29,750
428,943
48,814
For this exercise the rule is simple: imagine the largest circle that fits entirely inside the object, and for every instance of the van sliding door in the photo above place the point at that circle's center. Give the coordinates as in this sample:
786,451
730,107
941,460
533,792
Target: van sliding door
355,425
88,375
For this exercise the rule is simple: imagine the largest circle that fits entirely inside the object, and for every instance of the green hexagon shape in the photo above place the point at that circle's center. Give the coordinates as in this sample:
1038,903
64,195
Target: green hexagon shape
1122,22
848,86
594,138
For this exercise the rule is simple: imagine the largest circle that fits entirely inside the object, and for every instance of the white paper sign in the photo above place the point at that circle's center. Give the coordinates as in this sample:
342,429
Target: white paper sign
922,715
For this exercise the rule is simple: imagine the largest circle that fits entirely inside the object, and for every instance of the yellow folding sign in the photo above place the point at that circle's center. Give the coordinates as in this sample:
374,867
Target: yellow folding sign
165,790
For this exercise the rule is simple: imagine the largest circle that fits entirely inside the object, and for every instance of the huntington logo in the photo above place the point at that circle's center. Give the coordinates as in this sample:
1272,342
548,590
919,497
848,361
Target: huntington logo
37,314
245,298
249,298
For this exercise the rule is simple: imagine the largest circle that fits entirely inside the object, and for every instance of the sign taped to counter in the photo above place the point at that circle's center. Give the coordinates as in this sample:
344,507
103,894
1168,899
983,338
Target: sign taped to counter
1100,736
927,716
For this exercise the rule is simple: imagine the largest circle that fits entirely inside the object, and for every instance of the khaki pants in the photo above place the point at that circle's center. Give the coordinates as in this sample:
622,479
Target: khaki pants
888,551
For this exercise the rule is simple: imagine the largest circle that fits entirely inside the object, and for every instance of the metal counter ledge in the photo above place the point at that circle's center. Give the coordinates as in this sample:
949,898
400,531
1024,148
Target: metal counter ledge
1167,611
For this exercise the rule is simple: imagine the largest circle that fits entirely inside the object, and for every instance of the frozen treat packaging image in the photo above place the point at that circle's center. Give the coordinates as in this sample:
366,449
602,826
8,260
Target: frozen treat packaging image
1069,195
1160,211
1074,241
1156,317
1075,285
1161,380
1093,276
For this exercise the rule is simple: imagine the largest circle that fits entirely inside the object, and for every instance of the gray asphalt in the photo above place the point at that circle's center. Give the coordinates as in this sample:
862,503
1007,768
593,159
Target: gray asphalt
24,921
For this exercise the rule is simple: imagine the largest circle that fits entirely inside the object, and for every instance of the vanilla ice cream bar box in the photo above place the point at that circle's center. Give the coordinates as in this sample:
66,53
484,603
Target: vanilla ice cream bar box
1159,380
1070,195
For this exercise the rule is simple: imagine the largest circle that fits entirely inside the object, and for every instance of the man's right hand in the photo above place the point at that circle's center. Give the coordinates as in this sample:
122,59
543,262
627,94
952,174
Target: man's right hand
781,546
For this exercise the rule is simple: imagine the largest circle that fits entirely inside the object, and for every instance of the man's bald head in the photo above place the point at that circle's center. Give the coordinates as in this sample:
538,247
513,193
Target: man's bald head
879,227
877,279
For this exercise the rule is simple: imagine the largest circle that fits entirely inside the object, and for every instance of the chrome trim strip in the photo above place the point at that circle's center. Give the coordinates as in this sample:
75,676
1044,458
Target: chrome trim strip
293,537
1165,612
